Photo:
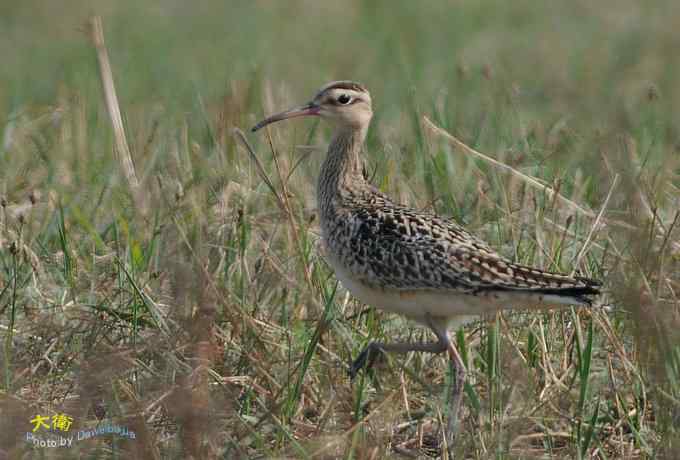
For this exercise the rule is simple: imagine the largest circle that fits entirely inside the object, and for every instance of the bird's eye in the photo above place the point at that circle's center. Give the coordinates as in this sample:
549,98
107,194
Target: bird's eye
344,99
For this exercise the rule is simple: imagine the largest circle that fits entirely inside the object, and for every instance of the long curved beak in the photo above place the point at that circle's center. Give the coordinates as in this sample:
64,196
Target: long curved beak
302,111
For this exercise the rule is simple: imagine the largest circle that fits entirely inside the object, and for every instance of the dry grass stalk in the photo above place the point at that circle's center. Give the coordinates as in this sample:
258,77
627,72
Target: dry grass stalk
552,194
341,438
595,225
282,200
122,148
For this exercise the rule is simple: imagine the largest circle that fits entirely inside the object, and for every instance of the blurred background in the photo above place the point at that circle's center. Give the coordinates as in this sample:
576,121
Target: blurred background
569,58
195,308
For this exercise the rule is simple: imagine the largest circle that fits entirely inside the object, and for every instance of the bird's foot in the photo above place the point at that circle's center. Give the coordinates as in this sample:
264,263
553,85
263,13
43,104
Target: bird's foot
365,360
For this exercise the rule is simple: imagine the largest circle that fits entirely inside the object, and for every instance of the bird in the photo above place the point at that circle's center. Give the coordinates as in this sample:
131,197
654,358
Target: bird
425,267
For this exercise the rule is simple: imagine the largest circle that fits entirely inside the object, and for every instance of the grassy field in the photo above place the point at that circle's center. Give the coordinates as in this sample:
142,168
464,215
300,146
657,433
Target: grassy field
194,308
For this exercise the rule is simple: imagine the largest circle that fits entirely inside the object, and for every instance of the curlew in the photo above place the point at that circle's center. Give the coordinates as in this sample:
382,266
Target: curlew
405,261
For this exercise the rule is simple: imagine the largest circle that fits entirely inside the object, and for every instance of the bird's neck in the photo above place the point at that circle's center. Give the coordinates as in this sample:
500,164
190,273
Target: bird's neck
342,171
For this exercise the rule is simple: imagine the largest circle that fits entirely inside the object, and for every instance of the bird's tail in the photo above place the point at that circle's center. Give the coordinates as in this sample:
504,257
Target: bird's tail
551,288
572,295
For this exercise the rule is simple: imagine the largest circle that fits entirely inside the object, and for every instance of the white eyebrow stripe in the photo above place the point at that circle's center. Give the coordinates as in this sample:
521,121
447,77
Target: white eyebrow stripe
336,93
343,85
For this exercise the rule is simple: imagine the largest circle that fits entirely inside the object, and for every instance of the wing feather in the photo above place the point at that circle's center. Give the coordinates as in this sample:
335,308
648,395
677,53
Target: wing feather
391,246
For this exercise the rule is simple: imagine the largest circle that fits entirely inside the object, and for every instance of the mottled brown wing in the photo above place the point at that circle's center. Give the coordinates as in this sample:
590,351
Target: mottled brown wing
398,248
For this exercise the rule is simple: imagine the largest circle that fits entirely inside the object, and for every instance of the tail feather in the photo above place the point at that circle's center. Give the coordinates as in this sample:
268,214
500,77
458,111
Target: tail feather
585,286
579,294
555,287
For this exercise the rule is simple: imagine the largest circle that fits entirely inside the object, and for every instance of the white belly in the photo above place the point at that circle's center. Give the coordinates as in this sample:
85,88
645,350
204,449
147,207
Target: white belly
415,304
448,305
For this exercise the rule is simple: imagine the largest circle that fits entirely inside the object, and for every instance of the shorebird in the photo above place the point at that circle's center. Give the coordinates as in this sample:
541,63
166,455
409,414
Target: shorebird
414,263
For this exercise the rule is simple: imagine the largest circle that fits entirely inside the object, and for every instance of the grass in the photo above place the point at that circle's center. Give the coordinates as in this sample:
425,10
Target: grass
196,309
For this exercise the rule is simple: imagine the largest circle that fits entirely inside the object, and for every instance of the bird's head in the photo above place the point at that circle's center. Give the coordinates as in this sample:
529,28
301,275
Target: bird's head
345,103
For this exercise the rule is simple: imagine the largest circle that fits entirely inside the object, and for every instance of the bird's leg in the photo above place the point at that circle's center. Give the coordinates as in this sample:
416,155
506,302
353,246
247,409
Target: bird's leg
458,384
367,357
458,368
